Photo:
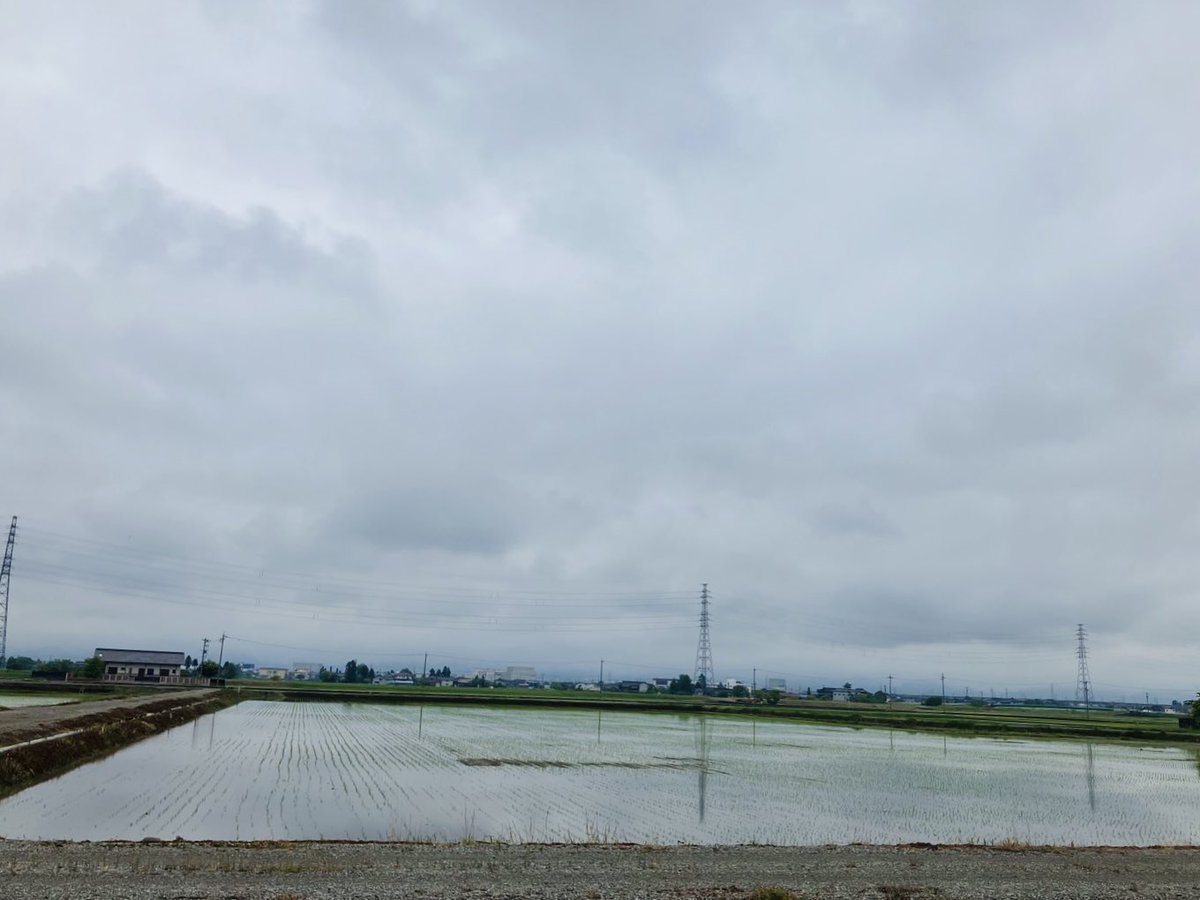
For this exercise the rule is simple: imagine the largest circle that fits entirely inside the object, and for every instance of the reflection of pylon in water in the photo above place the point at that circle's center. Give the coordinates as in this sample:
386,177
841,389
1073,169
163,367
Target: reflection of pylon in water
702,761
1083,689
704,665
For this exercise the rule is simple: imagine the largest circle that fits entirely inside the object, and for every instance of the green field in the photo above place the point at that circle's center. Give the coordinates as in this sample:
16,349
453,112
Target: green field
999,721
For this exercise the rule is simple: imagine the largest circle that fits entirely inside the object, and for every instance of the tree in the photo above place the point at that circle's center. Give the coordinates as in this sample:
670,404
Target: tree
327,675
681,685
229,670
932,701
21,663
351,671
365,674
1196,708
92,668
702,683
188,662
740,690
445,671
56,665
209,669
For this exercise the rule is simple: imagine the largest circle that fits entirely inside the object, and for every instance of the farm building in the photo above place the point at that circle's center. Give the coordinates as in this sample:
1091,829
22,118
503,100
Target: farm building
141,665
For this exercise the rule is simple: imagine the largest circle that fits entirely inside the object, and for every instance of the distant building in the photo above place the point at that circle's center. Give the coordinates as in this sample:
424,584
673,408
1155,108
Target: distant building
776,684
662,683
631,687
837,695
272,672
154,666
303,671
520,673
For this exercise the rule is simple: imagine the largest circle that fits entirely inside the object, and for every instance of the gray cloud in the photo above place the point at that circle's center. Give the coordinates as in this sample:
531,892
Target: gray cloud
878,319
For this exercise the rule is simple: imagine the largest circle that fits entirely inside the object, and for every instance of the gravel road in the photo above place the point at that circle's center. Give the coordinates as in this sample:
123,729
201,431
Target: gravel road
314,871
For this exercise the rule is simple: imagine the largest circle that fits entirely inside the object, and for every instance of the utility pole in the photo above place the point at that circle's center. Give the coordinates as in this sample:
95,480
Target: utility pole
425,666
5,577
943,687
754,683
889,687
204,652
221,656
602,676
1083,689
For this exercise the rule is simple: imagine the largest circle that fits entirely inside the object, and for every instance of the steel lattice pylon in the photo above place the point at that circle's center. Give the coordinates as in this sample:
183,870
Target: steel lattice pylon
1083,687
704,664
5,575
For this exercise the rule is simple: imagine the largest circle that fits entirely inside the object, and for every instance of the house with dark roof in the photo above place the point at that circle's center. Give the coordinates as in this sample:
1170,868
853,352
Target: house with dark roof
155,666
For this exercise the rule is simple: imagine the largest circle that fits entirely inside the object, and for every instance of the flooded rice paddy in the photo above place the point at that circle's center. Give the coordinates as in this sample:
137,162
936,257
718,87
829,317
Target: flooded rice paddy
12,701
279,770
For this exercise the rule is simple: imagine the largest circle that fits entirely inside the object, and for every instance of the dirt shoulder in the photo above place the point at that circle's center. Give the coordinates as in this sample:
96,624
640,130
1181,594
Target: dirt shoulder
315,871
30,722
37,743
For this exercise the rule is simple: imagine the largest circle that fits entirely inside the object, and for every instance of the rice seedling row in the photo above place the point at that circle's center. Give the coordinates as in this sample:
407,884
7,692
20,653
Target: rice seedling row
264,770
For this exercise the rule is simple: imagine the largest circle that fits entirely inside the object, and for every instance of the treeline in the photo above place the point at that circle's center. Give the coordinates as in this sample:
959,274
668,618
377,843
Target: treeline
94,667
355,672
84,668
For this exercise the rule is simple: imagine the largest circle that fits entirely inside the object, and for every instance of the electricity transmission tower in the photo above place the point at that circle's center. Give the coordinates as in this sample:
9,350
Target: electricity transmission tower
704,665
5,575
1083,690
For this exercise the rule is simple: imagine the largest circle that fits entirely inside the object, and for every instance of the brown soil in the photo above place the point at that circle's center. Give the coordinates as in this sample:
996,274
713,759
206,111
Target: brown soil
39,742
29,722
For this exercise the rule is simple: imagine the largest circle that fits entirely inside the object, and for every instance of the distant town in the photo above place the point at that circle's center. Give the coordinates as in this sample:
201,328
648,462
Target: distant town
177,668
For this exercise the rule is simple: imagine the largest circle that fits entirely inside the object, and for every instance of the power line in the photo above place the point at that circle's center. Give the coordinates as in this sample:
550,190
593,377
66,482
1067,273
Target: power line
339,614
427,611
107,550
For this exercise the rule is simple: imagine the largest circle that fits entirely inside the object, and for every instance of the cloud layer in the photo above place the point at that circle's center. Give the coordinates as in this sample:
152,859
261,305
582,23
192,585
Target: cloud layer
495,330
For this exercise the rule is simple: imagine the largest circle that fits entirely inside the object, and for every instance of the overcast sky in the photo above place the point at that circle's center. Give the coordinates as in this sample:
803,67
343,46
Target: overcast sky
494,330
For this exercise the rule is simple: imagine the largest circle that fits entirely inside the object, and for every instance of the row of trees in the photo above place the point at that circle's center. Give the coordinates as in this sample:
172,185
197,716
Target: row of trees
684,685
94,667
84,668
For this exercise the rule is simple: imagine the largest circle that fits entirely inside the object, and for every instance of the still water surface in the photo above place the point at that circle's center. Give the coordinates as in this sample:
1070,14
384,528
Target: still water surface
12,701
279,770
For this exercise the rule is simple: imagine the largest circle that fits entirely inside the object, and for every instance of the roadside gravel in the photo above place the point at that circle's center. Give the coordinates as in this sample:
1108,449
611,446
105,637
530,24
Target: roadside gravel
315,871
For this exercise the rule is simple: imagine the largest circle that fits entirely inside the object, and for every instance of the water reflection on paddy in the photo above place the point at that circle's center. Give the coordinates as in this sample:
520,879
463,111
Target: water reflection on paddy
359,771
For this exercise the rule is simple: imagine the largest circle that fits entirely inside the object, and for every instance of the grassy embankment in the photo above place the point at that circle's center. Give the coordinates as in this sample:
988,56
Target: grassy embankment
961,720
50,749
